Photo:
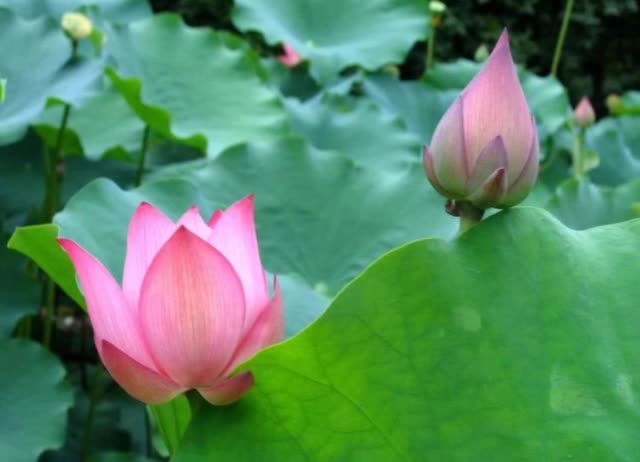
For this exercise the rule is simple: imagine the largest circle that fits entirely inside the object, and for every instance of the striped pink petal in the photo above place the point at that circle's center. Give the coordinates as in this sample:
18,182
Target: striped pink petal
192,310
113,319
228,391
148,231
234,234
193,221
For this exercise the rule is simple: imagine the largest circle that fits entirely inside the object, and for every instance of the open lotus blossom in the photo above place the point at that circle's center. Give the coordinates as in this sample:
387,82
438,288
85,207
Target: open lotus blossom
485,148
584,114
290,57
194,304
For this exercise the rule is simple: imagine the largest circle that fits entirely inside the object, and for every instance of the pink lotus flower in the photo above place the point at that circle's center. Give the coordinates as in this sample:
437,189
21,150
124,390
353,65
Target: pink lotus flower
584,114
289,58
194,304
485,148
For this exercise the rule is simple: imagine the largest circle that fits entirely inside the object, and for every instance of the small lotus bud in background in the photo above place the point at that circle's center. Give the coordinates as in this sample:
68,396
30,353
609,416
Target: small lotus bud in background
77,26
614,104
584,114
3,89
436,9
289,58
481,54
392,70
484,151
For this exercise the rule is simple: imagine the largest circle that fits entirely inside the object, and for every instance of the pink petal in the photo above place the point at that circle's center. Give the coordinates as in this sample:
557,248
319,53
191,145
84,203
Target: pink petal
139,381
495,104
148,231
234,234
267,330
193,221
527,177
491,192
111,317
215,218
228,391
427,160
492,157
448,151
192,310
290,58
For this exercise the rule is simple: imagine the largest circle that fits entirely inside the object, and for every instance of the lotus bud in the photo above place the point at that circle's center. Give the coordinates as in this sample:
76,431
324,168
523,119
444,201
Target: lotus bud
437,10
290,57
194,304
485,148
614,104
481,54
77,26
584,114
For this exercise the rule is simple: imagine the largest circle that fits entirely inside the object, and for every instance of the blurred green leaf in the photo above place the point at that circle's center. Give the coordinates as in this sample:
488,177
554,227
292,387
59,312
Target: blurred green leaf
516,342
42,73
172,420
581,204
188,85
617,142
114,10
34,399
333,36
357,128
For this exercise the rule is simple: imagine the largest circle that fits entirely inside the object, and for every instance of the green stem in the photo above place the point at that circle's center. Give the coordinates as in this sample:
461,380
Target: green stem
431,45
561,38
578,154
143,155
470,216
94,399
49,315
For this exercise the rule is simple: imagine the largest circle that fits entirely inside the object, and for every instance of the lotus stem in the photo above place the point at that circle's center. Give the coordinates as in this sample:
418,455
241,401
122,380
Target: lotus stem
469,216
94,399
143,155
561,38
431,44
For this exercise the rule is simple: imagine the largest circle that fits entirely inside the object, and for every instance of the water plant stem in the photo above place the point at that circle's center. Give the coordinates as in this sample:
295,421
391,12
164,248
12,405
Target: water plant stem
431,45
94,399
143,155
561,37
469,217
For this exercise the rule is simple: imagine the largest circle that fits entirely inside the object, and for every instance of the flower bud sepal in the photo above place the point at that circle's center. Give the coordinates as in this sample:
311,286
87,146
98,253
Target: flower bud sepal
469,214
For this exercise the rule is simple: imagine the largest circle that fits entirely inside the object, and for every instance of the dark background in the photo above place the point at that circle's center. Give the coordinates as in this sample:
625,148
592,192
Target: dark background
600,53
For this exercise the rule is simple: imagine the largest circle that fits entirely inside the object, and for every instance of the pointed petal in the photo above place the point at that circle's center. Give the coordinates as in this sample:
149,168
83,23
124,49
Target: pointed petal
139,381
267,330
495,104
215,218
526,180
234,235
148,231
192,309
492,157
492,191
193,221
112,319
427,160
228,391
447,150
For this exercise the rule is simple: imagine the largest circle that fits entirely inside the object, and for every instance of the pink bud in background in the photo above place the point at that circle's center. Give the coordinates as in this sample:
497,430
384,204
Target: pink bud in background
584,114
289,58
194,304
485,148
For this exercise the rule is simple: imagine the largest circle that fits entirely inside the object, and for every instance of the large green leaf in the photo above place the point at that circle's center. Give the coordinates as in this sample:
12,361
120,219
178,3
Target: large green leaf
187,84
114,10
617,143
34,399
518,341
581,204
356,128
332,35
41,73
